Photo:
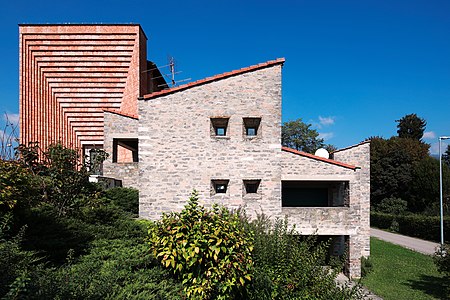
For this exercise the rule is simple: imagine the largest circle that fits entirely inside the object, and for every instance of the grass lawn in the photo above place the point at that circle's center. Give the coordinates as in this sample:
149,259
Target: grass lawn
399,273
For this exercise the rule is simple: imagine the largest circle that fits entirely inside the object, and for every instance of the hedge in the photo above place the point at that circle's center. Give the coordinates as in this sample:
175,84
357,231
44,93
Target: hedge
424,227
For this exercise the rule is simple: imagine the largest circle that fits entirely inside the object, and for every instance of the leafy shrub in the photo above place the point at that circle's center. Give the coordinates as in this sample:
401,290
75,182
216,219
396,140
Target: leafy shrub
209,250
366,266
18,185
15,264
424,227
442,261
392,205
125,198
113,269
287,266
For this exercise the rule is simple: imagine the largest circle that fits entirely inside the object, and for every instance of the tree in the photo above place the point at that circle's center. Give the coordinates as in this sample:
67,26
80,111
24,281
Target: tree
299,136
411,126
446,156
425,185
392,164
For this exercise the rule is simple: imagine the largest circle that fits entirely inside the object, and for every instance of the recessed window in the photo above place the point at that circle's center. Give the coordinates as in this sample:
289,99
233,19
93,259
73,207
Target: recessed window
251,186
219,126
219,186
251,126
125,150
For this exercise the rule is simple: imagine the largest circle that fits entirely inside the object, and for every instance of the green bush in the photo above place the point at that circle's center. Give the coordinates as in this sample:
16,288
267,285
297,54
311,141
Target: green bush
424,227
442,261
287,266
125,198
366,266
209,250
394,206
113,269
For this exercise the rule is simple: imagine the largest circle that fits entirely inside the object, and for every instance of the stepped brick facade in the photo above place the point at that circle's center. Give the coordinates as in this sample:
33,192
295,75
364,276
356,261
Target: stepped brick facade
91,85
70,73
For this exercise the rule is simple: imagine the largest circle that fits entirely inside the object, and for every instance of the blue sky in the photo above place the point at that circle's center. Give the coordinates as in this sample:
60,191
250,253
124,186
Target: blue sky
352,67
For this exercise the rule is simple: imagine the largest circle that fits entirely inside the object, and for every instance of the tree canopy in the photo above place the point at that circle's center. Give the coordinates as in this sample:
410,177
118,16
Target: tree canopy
411,126
299,136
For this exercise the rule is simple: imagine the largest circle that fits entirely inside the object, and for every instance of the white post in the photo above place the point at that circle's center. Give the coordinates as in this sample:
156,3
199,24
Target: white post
440,190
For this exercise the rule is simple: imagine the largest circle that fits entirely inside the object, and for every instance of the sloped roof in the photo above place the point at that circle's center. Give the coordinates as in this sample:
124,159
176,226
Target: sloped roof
215,78
352,146
117,112
327,160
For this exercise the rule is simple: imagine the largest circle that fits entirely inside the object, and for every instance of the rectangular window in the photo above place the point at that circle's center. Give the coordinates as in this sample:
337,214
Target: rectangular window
219,126
125,150
251,186
314,193
219,186
251,126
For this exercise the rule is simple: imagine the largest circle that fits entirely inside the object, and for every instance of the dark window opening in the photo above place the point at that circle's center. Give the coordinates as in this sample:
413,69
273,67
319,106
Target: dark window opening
251,186
251,126
314,193
219,186
125,150
219,126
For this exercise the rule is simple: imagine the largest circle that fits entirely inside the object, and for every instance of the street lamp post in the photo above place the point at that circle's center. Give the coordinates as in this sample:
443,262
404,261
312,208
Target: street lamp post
441,138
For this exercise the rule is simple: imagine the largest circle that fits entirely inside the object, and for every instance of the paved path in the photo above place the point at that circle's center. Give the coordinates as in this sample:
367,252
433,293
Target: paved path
415,244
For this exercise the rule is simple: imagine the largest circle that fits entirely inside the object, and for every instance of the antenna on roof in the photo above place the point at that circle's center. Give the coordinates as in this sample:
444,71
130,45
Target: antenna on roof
173,72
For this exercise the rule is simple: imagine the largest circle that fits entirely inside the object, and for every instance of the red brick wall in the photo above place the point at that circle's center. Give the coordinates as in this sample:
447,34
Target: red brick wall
70,73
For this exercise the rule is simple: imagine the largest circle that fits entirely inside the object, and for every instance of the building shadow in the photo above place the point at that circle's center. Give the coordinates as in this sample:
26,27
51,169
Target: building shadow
434,286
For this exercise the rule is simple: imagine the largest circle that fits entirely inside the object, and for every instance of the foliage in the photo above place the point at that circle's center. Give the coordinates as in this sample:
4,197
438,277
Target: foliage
421,226
113,269
18,186
424,187
125,198
442,261
299,136
411,127
446,156
394,206
366,266
62,178
392,164
209,250
402,274
15,264
289,267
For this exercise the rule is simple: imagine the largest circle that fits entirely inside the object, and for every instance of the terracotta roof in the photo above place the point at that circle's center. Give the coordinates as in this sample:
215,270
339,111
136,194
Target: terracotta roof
117,112
215,78
327,160
352,146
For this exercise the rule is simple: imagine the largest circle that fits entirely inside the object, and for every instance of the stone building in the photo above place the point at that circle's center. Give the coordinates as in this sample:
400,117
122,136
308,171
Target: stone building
220,135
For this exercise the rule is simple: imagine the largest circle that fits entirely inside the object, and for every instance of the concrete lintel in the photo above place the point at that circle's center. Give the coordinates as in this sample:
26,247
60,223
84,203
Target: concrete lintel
331,177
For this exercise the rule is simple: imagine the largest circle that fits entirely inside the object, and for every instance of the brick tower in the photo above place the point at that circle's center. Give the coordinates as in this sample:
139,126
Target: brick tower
70,74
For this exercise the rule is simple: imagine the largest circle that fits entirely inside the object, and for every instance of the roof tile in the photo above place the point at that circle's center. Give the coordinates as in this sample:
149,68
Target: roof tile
327,160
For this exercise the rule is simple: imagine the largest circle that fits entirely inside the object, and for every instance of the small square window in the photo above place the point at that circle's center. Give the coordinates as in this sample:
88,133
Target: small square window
219,126
251,186
251,126
221,131
219,186
251,131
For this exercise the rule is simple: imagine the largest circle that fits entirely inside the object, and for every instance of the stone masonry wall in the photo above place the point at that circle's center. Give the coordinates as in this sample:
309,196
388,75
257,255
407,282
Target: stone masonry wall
349,221
120,126
177,152
360,156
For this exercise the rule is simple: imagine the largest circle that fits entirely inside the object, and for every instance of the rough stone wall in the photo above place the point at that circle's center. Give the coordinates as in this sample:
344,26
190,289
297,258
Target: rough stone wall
178,154
351,221
120,126
360,156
